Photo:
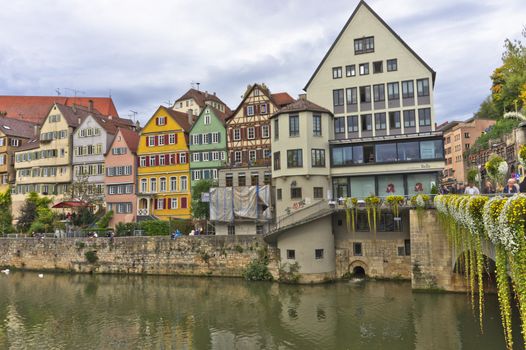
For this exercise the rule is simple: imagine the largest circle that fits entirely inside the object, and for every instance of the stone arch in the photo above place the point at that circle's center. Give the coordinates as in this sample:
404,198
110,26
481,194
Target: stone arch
358,267
490,281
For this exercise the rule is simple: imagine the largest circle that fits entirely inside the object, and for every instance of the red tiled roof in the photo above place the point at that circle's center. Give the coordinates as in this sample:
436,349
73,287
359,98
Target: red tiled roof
131,138
282,99
35,108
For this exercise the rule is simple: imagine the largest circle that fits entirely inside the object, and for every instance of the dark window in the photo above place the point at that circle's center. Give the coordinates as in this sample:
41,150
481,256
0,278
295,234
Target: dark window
231,229
339,125
365,94
294,125
393,92
357,249
386,152
254,179
367,122
276,128
364,45
364,68
267,178
318,253
229,180
408,89
347,155
352,123
241,179
318,157
337,96
379,121
422,87
291,254
350,70
378,67
408,151
352,96
424,117
368,154
379,92
409,119
294,158
318,192
279,193
394,120
407,246
337,72
295,193
316,125
392,65
277,161
466,135
362,223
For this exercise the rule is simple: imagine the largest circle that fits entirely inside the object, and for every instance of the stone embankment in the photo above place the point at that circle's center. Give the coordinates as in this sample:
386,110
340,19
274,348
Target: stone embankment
190,256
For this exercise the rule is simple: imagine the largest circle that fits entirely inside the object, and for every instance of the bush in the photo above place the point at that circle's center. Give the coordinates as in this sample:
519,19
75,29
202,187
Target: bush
91,256
125,229
184,226
155,227
289,272
257,270
105,220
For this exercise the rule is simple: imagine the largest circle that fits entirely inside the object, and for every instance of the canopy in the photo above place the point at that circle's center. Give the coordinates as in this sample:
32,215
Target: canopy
72,204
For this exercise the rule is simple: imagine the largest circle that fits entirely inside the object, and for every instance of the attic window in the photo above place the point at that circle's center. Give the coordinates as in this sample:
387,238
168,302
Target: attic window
364,45
6,127
256,92
161,121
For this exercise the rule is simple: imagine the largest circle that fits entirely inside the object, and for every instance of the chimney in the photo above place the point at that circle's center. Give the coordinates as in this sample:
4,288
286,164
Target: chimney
214,93
74,108
79,119
190,116
302,97
90,106
36,128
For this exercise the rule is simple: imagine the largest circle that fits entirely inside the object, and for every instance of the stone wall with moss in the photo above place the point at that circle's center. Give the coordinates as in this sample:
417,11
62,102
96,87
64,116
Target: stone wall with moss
190,256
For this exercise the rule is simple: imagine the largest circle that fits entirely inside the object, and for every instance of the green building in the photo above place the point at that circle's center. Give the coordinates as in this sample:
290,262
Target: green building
207,144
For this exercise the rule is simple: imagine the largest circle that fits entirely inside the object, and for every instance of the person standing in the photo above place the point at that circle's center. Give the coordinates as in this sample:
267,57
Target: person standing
488,188
471,189
511,187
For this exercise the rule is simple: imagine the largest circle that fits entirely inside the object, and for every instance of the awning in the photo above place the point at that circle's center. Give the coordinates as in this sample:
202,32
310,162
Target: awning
72,204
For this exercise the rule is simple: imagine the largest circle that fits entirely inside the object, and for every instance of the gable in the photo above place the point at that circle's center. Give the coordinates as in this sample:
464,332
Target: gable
256,96
51,122
364,22
215,122
154,124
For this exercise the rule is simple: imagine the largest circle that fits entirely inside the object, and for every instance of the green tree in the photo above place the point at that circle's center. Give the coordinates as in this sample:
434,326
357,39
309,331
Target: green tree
487,110
5,212
201,210
36,214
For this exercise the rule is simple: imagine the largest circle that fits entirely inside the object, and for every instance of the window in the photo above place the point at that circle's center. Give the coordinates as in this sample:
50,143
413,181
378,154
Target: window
252,155
173,203
196,157
316,125
241,179
422,87
294,125
229,180
365,94
207,118
318,253
162,184
357,249
254,179
250,110
392,65
206,138
424,117
352,96
364,45
160,140
408,89
265,132
394,120
160,203
276,128
367,122
336,72
318,192
350,71
352,123
162,160
277,161
393,92
237,134
408,151
161,121
153,185
184,183
251,131
173,184
151,141
295,193
318,158
144,186
215,137
385,152
364,68
378,67
171,139
379,92
337,97
263,108
409,119
339,125
291,254
231,229
466,135
294,158
237,156
279,194
379,121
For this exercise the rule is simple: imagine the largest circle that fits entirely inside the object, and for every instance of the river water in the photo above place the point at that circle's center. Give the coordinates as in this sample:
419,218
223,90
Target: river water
136,312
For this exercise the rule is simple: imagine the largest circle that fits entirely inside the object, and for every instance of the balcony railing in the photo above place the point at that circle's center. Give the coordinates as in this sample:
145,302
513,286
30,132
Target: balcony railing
247,164
143,212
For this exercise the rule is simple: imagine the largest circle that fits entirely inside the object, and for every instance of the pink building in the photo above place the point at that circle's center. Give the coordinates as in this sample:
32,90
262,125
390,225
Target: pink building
121,172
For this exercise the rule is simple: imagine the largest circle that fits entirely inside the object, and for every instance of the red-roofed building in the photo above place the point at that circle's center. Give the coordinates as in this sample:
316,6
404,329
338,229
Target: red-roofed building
194,101
35,108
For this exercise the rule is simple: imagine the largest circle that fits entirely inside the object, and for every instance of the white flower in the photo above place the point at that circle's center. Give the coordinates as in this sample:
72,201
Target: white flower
420,203
503,168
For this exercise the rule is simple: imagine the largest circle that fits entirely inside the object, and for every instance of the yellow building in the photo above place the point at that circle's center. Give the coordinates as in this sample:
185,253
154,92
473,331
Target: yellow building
164,166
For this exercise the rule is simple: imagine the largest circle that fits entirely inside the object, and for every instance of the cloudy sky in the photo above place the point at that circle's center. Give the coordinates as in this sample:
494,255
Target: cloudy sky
147,53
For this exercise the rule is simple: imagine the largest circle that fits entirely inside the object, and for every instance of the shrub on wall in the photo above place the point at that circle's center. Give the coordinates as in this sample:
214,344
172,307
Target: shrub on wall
155,227
125,229
257,270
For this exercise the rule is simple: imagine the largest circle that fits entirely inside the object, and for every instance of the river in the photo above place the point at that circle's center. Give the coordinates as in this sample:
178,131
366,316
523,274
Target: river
136,312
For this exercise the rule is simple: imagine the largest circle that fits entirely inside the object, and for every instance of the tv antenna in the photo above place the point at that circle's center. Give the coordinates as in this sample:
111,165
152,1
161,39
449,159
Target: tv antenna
75,91
57,90
133,115
169,103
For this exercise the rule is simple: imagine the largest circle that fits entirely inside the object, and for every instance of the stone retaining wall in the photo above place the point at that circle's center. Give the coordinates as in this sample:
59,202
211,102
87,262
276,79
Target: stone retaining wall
192,256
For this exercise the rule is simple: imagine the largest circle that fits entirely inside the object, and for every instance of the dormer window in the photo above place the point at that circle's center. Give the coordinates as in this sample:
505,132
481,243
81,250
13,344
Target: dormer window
256,92
250,110
364,45
161,121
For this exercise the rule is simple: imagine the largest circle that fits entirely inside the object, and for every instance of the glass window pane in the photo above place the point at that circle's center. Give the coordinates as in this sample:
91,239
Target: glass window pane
420,183
357,154
362,187
390,184
386,152
431,149
408,151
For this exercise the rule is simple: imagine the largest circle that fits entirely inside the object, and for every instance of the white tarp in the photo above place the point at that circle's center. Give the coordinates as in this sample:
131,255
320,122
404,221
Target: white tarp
246,202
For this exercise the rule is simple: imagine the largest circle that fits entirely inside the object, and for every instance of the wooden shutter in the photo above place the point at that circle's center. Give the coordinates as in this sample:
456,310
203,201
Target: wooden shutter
230,135
184,202
166,139
155,140
175,138
176,158
155,203
218,137
169,204
166,203
146,139
156,160
209,138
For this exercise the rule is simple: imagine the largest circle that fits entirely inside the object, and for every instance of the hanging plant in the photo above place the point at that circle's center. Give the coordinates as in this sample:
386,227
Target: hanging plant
497,169
394,203
351,205
420,202
372,205
522,155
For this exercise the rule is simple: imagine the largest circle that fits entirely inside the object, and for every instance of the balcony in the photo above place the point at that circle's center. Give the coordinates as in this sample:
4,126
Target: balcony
247,164
143,212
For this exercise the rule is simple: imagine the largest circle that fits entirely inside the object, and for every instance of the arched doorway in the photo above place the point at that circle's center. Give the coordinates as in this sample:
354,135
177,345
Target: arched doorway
358,269
143,207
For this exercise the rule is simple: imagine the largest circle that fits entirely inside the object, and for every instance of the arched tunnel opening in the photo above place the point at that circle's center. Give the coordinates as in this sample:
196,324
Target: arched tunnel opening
489,277
358,272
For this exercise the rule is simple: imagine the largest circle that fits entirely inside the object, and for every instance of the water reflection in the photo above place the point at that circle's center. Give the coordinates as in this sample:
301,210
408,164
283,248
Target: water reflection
134,312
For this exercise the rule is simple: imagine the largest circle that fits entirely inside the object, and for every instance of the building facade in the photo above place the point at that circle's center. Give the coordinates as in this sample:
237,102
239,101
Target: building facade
381,94
207,145
194,101
458,138
121,177
13,134
164,167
